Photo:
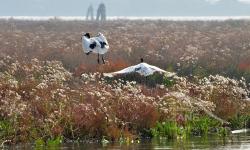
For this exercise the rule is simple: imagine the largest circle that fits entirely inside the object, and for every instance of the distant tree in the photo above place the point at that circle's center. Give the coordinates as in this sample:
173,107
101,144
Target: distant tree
101,12
90,13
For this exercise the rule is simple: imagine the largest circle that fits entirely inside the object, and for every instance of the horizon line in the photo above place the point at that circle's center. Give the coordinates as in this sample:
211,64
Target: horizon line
170,18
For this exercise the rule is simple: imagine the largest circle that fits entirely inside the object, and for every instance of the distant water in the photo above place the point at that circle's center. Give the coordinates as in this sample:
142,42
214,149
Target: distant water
170,18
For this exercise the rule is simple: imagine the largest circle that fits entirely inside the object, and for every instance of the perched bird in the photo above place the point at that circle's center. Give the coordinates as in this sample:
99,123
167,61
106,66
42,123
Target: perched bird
98,44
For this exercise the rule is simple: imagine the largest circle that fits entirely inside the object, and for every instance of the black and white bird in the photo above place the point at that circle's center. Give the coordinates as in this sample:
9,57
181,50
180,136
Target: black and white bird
98,45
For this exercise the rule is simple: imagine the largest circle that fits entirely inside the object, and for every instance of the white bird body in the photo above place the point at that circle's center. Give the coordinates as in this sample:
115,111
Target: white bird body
98,44
143,69
98,48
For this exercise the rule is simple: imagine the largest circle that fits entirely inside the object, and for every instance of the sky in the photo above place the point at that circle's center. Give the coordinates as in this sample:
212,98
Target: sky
126,7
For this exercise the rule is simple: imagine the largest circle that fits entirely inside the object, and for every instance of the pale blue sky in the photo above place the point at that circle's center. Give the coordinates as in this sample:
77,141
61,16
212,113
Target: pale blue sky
127,7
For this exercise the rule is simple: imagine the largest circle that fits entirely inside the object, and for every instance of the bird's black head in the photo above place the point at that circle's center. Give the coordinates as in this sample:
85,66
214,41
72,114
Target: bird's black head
87,35
142,60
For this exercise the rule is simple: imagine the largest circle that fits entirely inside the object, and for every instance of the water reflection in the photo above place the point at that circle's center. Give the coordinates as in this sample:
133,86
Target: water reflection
235,142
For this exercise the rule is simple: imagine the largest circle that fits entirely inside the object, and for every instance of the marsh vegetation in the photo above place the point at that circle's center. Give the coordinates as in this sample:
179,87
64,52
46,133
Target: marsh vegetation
50,92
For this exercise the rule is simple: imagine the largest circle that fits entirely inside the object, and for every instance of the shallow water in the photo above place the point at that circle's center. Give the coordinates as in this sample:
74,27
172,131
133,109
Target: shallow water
234,142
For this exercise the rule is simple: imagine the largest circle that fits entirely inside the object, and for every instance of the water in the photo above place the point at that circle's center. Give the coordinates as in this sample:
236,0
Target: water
233,142
168,18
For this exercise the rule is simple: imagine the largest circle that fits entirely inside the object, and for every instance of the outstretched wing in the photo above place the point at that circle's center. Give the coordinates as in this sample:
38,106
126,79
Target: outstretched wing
123,71
92,45
143,69
103,41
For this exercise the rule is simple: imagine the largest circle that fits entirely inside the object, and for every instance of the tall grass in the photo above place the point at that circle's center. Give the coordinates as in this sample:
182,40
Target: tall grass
197,126
240,122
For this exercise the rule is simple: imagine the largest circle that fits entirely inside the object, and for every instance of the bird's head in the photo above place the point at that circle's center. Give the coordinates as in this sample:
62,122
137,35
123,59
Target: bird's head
87,35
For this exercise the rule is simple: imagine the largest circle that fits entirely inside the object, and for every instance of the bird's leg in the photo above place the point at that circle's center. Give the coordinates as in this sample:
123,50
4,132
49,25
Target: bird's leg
103,60
98,58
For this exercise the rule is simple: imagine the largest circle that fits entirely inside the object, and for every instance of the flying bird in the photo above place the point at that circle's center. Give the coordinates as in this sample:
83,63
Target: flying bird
98,45
143,69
